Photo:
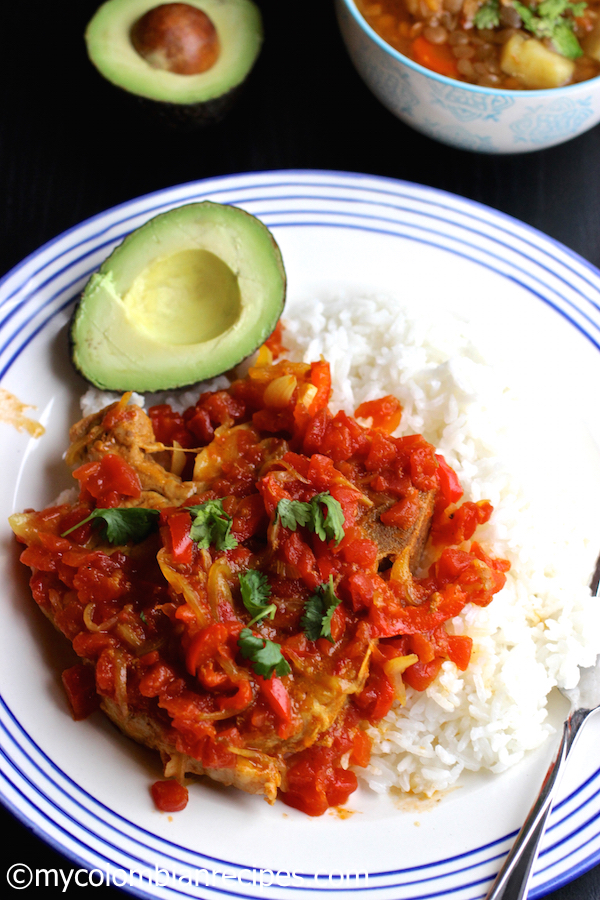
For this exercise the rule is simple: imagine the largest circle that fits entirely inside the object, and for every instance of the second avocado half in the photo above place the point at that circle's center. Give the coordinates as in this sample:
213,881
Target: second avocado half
189,98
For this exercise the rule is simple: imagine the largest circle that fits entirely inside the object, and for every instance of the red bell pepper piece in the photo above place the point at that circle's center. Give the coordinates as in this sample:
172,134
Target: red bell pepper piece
204,646
276,694
181,543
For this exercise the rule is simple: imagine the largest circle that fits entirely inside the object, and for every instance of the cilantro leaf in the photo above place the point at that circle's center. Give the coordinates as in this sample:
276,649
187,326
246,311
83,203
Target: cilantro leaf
553,9
318,612
565,42
328,525
528,17
266,656
331,526
488,15
122,525
211,525
312,619
292,513
549,20
255,591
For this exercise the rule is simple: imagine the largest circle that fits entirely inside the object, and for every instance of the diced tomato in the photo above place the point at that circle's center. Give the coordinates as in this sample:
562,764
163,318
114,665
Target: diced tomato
404,513
360,551
301,557
420,675
423,468
361,749
453,526
361,588
450,486
275,341
200,426
250,516
272,491
217,755
106,673
382,452
376,698
91,646
320,377
321,471
101,578
80,684
386,413
460,647
169,796
39,558
315,430
314,783
326,564
169,426
156,679
223,409
69,521
443,605
108,481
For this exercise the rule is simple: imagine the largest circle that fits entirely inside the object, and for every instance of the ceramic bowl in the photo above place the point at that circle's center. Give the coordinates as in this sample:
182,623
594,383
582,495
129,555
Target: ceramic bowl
486,120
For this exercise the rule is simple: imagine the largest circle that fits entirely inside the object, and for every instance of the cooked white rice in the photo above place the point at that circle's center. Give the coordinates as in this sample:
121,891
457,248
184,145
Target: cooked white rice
544,624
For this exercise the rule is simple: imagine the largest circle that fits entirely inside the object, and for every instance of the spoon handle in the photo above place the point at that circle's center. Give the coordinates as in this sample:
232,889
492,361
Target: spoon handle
513,878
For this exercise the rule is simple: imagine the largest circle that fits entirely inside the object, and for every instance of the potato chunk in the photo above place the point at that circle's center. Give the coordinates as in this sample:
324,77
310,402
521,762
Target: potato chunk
532,63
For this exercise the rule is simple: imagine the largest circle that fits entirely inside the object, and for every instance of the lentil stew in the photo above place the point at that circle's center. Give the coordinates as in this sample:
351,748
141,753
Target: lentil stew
495,43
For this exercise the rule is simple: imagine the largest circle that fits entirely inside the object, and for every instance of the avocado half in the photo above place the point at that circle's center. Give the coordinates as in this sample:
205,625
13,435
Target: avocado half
185,297
188,99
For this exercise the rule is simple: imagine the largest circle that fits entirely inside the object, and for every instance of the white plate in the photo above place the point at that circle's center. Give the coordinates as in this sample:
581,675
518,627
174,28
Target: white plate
82,786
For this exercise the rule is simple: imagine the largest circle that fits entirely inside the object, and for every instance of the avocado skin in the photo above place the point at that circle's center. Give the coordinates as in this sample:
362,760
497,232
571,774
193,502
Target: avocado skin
174,113
180,117
226,358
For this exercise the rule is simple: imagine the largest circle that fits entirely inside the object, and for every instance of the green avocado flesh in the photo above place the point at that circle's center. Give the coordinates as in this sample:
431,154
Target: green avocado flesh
185,297
239,29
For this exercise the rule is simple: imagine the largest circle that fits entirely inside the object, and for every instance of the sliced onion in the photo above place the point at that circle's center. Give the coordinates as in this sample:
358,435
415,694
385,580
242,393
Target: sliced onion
178,459
88,618
121,681
220,580
394,668
182,585
307,394
128,635
231,669
280,391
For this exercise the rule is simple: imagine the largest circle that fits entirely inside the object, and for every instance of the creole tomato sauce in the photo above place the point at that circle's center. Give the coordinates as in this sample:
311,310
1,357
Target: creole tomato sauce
158,623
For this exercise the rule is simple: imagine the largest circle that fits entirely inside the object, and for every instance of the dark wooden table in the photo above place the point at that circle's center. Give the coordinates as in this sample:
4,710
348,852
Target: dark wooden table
69,149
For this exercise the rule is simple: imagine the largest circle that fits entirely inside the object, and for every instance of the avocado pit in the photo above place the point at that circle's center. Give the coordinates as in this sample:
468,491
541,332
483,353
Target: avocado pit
178,38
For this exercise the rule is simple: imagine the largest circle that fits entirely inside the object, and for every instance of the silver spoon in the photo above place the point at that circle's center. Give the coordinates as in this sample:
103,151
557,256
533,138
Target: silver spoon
513,878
